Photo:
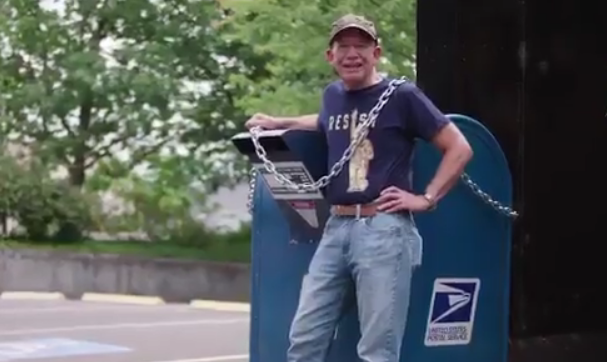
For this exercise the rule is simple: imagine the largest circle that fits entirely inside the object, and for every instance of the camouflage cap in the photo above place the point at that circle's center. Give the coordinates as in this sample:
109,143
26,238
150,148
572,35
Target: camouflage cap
351,21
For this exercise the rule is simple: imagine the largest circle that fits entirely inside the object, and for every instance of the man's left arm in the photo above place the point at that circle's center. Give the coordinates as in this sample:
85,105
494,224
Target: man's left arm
430,124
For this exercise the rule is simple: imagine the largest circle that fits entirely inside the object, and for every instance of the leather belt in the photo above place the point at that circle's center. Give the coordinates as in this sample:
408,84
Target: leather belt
355,210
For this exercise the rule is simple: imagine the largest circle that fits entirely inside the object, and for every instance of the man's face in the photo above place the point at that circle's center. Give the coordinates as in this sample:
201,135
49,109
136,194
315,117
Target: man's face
353,55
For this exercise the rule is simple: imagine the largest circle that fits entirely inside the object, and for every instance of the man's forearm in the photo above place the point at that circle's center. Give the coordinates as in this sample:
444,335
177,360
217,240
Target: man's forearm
449,170
307,122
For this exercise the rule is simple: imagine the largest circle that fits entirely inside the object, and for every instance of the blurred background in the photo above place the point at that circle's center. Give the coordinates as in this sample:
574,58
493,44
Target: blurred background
115,116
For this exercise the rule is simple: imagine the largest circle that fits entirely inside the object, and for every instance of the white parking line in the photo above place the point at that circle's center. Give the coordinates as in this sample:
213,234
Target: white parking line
81,309
95,327
234,357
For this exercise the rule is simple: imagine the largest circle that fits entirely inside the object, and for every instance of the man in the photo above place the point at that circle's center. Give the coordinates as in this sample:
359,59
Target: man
371,238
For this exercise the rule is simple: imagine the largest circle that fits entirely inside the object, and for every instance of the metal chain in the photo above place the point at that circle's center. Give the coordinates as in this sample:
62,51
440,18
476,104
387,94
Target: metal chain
361,133
252,184
496,205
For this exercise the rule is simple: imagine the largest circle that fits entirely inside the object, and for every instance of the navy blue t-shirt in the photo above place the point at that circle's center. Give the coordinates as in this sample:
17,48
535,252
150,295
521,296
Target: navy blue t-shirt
384,158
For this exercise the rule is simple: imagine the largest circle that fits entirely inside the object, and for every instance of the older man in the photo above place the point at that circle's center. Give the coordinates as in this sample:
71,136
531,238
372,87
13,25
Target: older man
370,237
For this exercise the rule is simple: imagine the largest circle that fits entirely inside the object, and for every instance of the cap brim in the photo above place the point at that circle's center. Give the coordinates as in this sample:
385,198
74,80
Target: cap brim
353,26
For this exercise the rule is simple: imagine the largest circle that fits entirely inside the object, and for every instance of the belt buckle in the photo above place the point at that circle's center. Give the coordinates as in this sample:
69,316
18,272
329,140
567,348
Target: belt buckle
358,211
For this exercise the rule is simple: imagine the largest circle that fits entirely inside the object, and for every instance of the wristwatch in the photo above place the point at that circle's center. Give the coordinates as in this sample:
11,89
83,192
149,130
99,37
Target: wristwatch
431,200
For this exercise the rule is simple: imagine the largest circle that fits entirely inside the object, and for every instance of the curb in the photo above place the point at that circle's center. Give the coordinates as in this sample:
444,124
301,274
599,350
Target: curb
127,299
220,306
121,298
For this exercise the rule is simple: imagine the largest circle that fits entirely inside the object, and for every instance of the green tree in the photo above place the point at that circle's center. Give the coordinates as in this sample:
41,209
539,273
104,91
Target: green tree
292,35
84,81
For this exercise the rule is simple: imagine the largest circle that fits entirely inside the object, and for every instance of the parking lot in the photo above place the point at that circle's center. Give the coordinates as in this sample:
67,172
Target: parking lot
53,331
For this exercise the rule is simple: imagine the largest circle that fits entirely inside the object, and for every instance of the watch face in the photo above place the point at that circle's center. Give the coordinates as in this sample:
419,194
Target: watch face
430,200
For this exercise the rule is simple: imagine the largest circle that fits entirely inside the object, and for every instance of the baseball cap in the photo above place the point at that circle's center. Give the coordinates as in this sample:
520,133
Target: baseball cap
351,21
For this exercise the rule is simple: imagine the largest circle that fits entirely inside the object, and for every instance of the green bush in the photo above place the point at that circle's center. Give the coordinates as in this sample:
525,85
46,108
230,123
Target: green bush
240,236
46,209
160,209
156,211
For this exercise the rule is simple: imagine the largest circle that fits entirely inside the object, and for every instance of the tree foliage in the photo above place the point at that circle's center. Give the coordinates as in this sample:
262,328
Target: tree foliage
141,97
84,80
293,35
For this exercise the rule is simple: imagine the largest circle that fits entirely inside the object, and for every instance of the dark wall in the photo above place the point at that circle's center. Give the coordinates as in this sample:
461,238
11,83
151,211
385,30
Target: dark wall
469,61
535,73
566,105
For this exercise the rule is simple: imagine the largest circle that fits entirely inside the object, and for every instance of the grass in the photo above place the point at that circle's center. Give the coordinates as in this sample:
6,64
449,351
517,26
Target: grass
221,250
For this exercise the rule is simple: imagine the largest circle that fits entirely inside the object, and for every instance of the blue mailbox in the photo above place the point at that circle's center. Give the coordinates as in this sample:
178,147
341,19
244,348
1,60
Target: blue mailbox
460,298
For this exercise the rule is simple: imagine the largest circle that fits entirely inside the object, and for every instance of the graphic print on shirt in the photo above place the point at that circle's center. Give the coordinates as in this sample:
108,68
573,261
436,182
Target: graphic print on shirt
362,156
358,168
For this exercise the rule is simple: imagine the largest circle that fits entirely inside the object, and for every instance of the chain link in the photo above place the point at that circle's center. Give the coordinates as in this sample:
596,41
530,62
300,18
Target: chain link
252,184
361,133
496,205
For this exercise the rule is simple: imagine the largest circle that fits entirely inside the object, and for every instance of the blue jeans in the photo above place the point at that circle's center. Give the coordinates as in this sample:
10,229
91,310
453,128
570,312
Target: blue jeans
378,254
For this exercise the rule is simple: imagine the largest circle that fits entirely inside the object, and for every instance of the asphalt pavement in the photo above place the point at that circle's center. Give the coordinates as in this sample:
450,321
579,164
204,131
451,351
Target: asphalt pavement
79,331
